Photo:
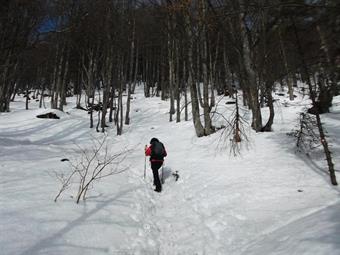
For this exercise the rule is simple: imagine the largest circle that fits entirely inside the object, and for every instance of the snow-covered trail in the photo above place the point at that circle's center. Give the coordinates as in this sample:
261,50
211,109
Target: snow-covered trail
220,204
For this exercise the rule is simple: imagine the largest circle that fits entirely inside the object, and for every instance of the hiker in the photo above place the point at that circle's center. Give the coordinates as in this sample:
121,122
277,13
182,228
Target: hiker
157,152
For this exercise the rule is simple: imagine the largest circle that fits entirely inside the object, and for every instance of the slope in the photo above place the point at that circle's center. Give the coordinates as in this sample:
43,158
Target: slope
220,205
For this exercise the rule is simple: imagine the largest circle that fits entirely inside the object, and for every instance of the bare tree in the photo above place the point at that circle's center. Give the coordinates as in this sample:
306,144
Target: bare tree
91,166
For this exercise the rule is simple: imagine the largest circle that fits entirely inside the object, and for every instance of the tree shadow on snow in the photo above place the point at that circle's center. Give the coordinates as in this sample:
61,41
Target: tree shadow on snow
55,240
71,131
329,231
320,229
289,145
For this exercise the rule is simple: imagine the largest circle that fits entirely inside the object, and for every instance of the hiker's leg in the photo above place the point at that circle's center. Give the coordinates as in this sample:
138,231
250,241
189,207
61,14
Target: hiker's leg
156,180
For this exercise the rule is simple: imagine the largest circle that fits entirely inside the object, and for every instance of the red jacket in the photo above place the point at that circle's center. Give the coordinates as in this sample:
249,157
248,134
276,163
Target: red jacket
148,153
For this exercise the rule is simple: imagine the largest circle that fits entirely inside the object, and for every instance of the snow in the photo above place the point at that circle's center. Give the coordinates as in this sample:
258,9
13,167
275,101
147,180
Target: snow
268,200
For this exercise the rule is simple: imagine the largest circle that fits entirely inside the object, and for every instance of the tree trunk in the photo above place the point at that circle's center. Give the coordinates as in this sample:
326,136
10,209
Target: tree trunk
193,89
185,91
63,85
59,78
270,102
250,79
208,129
288,77
312,94
136,70
41,101
130,78
177,90
171,68
27,96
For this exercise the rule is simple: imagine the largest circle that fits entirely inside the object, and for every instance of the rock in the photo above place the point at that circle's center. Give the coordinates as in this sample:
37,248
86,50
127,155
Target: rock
49,115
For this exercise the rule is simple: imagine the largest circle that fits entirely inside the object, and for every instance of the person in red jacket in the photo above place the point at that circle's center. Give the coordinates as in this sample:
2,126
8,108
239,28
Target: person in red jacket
157,152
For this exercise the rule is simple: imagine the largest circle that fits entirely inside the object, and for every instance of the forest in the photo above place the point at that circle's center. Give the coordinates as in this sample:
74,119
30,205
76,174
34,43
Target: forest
241,96
101,50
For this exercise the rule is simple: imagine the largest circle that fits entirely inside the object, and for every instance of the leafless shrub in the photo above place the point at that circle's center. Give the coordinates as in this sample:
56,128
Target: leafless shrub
91,166
234,133
306,135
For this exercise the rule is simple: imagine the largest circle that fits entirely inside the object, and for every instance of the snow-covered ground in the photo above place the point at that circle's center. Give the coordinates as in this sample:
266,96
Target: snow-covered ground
269,200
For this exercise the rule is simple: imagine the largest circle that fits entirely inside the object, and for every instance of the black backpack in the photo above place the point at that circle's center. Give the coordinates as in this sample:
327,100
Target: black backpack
157,151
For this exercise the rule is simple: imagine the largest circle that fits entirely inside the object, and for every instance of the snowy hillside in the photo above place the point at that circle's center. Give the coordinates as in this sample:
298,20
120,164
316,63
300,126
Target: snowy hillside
269,200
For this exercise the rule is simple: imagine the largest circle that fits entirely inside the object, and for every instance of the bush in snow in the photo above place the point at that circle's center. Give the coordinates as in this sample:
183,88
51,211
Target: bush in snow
92,165
306,135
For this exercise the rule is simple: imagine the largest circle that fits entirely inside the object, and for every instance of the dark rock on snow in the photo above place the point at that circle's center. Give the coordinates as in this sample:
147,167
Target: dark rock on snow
49,115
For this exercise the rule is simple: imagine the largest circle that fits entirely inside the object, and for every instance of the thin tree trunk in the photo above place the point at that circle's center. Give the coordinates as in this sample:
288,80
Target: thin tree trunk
27,96
318,118
136,69
208,129
171,68
130,78
59,77
91,110
270,102
177,90
41,101
106,94
289,78
112,99
63,85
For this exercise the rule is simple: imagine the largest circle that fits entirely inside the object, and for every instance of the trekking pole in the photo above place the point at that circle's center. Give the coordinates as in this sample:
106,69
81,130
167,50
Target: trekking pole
145,161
